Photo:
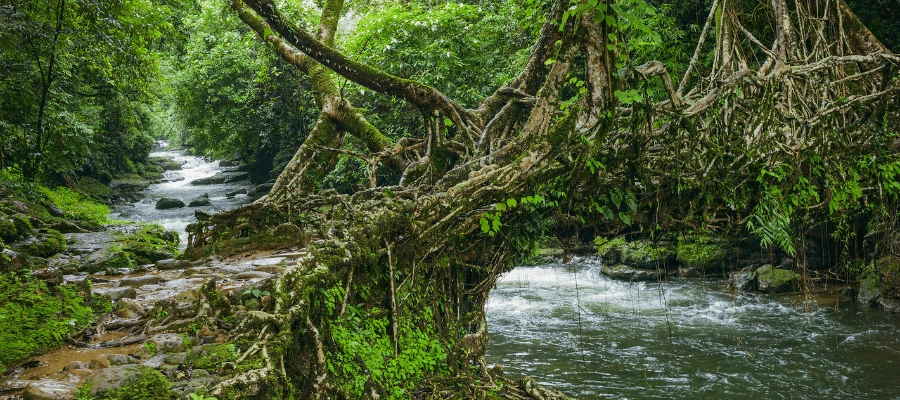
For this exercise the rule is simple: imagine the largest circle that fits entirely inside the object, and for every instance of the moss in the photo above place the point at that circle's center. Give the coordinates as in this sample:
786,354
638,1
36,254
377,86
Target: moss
150,385
700,251
94,188
8,230
34,317
47,245
212,356
772,279
639,254
77,206
23,226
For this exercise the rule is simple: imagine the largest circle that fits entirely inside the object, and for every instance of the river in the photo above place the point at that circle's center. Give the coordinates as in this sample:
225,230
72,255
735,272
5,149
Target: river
576,330
178,185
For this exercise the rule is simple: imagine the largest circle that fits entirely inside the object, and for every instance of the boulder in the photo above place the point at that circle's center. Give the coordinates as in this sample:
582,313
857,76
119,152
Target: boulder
94,188
743,280
129,309
167,203
771,279
51,276
202,201
118,293
13,261
121,359
225,177
44,245
138,281
171,263
626,273
110,378
49,389
234,193
252,275
168,343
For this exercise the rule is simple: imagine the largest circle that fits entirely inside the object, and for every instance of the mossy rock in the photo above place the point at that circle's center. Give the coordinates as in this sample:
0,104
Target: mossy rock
211,356
94,188
627,273
23,225
8,231
46,245
702,253
644,254
773,280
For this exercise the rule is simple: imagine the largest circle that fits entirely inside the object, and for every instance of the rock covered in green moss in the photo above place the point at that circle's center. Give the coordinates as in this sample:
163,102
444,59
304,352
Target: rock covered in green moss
702,255
45,245
771,279
643,254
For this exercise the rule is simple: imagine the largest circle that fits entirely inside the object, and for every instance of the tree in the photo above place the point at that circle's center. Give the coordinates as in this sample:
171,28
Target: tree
77,75
582,131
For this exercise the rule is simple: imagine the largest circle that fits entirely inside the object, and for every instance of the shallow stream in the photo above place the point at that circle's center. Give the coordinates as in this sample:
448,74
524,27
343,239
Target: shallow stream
592,337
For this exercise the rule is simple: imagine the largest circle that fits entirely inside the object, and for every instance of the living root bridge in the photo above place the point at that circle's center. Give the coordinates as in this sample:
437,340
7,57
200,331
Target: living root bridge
406,266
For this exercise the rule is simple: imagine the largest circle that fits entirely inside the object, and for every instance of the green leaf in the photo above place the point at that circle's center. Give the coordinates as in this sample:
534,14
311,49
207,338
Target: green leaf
511,202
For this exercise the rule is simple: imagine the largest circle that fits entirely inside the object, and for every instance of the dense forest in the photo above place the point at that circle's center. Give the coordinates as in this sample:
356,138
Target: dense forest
415,151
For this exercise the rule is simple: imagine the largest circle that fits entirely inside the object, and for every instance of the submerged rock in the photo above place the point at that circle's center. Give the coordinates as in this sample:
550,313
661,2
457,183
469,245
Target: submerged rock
626,273
201,201
167,203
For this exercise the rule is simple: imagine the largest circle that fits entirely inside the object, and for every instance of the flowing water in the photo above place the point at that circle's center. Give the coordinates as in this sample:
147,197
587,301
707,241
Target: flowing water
178,185
592,337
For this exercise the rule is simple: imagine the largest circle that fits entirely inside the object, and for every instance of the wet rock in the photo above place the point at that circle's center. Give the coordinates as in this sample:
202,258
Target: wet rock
156,361
234,193
48,389
743,280
771,279
138,281
260,191
252,275
220,178
624,272
75,365
167,203
175,358
55,211
227,163
201,201
117,293
129,309
45,245
69,227
272,269
120,359
870,288
110,378
171,263
99,363
168,343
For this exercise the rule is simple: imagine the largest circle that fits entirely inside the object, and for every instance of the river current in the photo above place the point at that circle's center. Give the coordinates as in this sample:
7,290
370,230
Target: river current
178,185
572,328
576,330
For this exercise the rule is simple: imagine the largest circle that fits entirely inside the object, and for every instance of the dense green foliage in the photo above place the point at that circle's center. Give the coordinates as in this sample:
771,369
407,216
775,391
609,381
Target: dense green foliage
35,318
75,92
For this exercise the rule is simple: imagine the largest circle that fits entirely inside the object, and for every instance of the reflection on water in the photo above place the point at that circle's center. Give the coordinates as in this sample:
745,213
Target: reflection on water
685,339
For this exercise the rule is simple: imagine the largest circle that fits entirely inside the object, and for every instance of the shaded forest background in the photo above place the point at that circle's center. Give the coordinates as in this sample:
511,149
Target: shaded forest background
88,86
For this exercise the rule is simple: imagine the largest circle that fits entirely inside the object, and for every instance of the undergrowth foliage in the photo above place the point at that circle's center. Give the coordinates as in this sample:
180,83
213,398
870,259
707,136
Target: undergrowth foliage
35,318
